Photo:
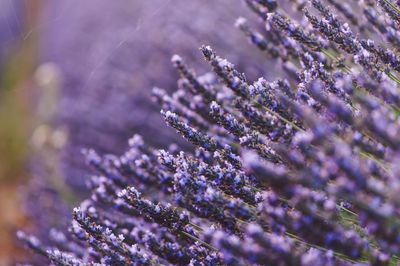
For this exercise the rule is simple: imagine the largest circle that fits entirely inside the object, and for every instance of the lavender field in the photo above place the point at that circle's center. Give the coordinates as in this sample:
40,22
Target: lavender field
209,132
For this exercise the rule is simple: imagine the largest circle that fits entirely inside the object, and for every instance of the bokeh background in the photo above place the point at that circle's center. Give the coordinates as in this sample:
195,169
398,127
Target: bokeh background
78,74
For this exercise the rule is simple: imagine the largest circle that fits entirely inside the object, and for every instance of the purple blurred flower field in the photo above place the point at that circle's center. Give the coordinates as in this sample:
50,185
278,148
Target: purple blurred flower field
276,144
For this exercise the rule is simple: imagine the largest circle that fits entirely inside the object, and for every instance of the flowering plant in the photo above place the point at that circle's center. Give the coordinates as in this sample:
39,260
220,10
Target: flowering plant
297,171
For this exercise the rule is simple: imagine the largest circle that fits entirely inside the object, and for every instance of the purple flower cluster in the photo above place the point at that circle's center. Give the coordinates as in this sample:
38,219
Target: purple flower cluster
301,170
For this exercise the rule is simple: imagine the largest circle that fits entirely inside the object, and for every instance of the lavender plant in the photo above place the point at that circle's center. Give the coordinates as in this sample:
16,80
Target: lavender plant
300,170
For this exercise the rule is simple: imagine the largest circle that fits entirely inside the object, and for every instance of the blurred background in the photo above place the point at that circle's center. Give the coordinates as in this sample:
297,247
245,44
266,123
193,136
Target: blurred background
78,74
